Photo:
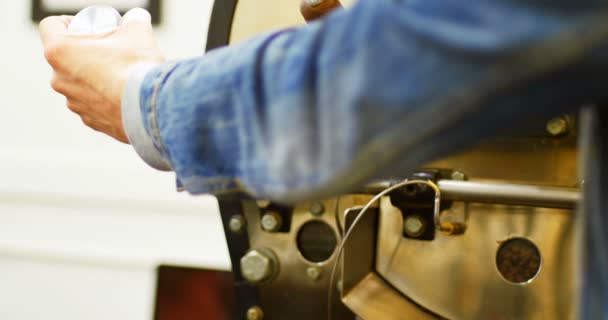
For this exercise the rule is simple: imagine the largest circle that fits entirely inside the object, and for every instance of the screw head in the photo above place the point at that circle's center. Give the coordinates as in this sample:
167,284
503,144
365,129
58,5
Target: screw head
255,313
237,223
257,265
557,126
458,176
271,222
314,273
414,226
317,209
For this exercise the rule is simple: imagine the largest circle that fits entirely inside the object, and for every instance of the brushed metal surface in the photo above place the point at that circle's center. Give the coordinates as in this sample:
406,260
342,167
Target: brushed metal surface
277,14
535,160
374,299
456,276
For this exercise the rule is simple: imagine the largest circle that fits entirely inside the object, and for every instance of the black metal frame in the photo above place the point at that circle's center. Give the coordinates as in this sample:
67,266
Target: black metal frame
220,24
247,295
39,13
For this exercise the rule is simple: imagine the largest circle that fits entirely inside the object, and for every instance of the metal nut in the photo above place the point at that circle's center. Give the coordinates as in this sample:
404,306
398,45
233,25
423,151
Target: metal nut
414,226
458,176
317,209
255,313
314,273
237,223
271,222
557,126
257,265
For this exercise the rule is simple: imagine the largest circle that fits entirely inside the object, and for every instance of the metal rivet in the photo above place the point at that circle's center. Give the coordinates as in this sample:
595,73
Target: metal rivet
314,273
414,226
557,126
255,313
237,223
458,176
317,209
271,222
257,265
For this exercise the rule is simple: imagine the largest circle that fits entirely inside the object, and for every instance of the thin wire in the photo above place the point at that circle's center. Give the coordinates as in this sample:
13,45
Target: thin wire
356,221
337,216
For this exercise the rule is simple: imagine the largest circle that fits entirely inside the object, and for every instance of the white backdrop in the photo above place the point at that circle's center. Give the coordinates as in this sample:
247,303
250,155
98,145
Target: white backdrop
84,222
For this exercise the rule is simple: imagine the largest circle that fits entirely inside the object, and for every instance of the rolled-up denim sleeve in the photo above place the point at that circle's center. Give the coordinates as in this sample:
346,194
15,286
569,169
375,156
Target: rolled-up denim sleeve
133,122
369,92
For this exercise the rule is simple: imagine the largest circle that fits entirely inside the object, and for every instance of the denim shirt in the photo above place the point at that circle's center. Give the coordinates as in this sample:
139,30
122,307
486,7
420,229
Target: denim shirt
368,92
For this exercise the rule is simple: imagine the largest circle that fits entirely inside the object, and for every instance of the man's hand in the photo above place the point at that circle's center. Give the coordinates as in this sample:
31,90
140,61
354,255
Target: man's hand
91,70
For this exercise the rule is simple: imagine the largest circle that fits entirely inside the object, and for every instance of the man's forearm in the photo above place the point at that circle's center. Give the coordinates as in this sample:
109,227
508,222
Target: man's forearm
374,90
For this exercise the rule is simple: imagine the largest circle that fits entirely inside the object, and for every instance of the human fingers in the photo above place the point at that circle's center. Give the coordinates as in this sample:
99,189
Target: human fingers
51,28
137,15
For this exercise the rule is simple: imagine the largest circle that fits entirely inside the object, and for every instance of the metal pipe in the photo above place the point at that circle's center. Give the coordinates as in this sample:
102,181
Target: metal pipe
501,193
506,193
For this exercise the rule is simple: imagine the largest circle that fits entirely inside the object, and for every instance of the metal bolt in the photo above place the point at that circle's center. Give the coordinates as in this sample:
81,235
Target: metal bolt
262,203
458,176
237,223
257,265
314,273
414,226
317,209
271,222
255,313
557,126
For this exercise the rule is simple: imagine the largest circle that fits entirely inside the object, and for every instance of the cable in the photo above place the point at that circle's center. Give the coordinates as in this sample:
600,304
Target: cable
337,216
360,216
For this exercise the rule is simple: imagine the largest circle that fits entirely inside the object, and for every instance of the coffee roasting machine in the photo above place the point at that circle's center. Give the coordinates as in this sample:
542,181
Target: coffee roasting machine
510,229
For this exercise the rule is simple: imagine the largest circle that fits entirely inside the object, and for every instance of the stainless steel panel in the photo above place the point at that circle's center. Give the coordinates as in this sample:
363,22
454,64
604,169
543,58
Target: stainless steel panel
528,160
254,17
374,299
456,276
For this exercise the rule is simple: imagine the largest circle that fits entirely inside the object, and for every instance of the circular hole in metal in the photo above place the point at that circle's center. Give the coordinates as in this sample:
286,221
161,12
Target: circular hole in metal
518,260
316,241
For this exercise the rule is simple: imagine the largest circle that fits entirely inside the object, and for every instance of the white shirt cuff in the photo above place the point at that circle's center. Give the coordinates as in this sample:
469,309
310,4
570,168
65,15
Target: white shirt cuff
133,122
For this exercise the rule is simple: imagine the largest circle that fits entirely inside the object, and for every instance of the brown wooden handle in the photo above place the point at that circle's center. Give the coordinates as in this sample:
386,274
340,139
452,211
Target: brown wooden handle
314,9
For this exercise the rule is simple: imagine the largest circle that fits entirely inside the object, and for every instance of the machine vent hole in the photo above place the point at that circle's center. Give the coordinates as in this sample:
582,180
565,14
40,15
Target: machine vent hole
316,241
518,260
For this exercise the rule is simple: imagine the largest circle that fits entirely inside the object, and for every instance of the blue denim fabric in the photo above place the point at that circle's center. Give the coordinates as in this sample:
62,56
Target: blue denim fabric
370,92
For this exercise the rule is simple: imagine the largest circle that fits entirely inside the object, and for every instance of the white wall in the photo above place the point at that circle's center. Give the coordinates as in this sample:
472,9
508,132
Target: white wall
84,222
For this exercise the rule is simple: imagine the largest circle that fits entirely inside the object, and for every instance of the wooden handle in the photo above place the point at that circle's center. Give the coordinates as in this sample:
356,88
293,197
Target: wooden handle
314,9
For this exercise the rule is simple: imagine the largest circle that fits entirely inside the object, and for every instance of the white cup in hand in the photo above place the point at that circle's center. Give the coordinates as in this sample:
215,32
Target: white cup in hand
97,19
